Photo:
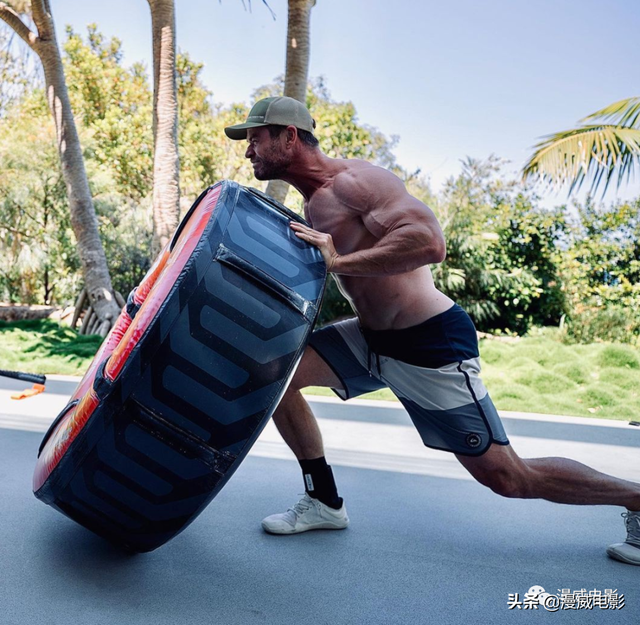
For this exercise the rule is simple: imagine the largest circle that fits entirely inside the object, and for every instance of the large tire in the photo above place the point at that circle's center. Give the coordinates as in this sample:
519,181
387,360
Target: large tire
190,374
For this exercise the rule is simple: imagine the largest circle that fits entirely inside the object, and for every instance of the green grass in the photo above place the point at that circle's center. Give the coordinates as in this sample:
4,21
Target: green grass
534,374
45,346
541,374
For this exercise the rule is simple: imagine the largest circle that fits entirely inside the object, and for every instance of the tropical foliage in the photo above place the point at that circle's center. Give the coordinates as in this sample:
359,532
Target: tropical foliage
512,264
605,147
501,250
32,21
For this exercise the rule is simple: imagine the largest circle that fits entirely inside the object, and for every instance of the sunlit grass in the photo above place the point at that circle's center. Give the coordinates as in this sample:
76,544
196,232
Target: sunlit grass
534,374
45,346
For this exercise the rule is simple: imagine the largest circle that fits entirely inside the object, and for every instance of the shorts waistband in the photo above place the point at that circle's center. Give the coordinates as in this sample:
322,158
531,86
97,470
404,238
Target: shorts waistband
375,335
440,340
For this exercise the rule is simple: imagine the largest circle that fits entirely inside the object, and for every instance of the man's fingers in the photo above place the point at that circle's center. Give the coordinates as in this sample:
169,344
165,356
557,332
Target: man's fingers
301,228
323,241
307,236
306,233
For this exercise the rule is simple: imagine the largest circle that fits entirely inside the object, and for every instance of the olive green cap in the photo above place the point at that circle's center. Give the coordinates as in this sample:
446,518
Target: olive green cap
280,111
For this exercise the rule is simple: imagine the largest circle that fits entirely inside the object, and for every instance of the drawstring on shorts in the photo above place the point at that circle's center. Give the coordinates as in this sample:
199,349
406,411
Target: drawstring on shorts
370,352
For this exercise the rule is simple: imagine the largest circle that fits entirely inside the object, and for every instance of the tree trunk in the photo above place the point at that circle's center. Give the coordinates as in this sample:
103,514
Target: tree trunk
166,164
83,217
297,69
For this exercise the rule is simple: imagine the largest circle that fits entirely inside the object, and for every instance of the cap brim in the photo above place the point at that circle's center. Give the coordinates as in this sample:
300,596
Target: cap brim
239,131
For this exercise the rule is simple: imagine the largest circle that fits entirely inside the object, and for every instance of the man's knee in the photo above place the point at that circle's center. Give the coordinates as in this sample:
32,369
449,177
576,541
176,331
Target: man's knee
506,483
504,473
295,386
313,371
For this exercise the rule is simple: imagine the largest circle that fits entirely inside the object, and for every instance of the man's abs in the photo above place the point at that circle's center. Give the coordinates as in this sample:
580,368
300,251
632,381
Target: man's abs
394,302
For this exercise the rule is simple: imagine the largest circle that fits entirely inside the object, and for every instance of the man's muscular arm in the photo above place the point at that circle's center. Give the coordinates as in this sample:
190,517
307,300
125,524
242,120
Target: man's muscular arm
407,232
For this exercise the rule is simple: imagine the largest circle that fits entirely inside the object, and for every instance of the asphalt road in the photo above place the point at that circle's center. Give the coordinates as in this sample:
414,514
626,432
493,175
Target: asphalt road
426,543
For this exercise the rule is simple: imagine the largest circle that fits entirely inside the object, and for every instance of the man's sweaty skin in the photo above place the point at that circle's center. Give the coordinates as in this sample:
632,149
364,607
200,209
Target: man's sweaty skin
377,243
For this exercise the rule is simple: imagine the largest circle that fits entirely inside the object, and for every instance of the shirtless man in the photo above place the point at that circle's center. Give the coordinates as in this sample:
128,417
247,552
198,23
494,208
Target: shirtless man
378,241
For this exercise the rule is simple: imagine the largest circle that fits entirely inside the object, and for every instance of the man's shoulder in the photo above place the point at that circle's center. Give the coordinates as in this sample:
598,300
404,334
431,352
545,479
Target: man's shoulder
360,180
357,167
355,172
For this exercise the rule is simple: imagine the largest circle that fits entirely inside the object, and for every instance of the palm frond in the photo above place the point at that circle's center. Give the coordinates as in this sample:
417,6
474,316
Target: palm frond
273,15
596,152
623,113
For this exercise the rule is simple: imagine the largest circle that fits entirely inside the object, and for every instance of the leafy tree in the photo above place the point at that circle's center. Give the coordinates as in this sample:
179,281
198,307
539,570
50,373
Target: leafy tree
527,249
601,270
17,71
38,262
606,146
43,42
114,120
206,155
114,107
502,258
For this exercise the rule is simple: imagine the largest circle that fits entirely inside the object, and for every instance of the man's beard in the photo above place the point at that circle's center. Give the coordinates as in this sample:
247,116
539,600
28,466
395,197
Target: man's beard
271,168
268,171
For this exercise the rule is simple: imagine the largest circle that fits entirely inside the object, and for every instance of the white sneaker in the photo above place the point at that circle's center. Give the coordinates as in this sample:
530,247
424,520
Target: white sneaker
307,514
628,551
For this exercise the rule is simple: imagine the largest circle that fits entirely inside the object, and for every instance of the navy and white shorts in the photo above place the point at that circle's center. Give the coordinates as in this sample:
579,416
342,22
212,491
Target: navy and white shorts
432,368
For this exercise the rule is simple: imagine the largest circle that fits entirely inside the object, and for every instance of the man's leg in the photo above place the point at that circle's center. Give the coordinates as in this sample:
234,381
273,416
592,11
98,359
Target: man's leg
563,481
555,479
321,507
293,417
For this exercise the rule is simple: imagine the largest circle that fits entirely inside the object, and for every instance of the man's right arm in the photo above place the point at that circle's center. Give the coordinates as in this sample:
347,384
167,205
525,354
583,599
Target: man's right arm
407,231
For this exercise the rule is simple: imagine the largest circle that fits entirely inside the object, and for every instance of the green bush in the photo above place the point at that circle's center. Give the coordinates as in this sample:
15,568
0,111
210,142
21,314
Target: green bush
541,354
601,395
334,305
524,362
611,324
512,396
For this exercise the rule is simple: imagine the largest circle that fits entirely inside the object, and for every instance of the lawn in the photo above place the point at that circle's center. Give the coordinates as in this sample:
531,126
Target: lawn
45,346
534,374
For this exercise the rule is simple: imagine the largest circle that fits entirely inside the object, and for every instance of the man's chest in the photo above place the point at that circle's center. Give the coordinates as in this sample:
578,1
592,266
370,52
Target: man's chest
344,224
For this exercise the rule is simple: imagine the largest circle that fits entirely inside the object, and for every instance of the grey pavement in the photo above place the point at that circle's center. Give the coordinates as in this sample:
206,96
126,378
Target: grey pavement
426,543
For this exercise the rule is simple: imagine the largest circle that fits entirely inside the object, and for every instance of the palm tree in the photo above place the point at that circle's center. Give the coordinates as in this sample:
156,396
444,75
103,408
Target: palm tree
166,163
297,68
166,160
605,146
83,217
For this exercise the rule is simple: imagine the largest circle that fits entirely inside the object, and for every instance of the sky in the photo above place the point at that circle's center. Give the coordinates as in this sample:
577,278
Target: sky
451,79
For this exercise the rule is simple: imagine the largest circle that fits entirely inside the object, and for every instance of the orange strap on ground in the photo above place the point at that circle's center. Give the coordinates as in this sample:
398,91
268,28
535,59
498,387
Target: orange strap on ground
30,392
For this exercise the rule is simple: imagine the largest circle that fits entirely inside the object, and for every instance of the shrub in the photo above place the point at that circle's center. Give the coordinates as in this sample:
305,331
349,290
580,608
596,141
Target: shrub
612,324
522,362
600,395
512,396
